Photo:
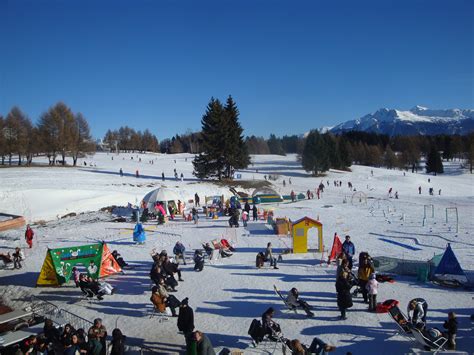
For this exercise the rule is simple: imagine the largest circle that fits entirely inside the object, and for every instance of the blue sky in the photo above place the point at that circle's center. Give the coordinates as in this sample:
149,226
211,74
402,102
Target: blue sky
290,65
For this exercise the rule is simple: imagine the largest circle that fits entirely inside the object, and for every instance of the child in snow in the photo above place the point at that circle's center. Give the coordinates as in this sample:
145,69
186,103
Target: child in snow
29,236
372,289
76,275
18,257
451,325
245,217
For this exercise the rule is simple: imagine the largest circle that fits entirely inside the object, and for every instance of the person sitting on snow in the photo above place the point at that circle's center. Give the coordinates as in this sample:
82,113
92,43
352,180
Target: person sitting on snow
170,300
198,260
269,256
419,308
293,300
178,251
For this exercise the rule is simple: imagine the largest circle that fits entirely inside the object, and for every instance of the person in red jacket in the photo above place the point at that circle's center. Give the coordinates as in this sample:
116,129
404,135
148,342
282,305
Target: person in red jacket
29,236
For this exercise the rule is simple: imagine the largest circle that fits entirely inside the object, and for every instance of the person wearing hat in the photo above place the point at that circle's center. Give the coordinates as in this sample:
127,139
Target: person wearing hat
29,234
372,290
186,321
98,330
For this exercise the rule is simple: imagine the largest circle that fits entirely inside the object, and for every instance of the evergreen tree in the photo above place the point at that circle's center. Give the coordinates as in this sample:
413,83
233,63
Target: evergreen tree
345,154
315,158
275,145
236,153
434,163
222,143
210,162
332,149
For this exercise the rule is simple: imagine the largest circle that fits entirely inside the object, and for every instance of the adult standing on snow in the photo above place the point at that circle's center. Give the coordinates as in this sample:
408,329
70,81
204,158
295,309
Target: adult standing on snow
344,297
365,270
247,207
29,236
186,321
196,200
348,248
255,212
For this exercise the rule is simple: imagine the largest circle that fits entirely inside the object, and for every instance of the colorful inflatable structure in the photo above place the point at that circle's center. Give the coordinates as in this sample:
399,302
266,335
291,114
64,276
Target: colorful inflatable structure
58,263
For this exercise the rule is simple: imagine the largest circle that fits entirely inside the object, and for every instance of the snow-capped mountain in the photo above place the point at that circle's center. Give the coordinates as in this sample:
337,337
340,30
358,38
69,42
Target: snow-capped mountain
418,120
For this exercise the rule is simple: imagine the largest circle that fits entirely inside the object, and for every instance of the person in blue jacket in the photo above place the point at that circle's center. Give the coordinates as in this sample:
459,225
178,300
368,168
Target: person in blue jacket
348,249
178,251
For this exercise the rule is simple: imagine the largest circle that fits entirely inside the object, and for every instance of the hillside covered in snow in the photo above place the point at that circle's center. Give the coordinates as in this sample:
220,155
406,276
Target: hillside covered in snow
230,292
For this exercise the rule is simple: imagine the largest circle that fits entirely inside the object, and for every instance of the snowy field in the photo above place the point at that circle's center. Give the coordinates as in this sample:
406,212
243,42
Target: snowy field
230,292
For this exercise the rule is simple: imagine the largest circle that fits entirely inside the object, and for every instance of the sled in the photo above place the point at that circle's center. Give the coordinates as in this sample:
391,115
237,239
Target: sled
290,307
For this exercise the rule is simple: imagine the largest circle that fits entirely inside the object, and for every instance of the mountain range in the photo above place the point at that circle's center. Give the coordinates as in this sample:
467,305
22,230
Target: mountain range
418,120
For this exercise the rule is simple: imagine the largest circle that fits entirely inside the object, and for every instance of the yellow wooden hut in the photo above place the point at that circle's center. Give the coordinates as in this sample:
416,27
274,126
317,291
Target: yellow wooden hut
299,234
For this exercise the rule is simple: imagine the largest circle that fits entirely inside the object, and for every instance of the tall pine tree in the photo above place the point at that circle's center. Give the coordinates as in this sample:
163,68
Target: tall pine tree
434,163
236,152
210,163
222,142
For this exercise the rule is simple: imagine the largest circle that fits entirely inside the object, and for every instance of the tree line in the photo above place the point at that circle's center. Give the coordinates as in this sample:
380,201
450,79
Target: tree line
126,139
58,133
324,151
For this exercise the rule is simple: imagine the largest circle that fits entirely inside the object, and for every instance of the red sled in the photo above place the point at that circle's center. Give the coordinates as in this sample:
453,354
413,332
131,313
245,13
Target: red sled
385,306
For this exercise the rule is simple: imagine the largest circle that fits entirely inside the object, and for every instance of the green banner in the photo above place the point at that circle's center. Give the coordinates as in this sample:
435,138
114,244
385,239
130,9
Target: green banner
64,259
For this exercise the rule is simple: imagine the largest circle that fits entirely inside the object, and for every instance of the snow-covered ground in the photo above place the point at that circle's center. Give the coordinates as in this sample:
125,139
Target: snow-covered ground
230,292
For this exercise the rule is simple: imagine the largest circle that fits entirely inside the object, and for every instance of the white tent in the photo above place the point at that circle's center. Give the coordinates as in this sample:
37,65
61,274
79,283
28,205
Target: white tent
163,195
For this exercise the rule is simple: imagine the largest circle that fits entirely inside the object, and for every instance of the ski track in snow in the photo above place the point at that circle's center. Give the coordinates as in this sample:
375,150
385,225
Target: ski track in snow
230,292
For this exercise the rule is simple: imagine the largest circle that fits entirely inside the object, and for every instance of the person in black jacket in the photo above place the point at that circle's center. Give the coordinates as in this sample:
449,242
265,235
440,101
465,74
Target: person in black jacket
254,212
185,317
451,325
186,321
344,297
117,345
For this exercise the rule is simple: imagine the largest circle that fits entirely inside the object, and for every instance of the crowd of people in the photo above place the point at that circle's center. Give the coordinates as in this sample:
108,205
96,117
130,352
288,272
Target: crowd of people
70,341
